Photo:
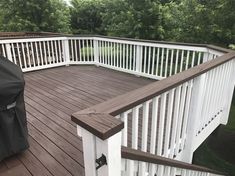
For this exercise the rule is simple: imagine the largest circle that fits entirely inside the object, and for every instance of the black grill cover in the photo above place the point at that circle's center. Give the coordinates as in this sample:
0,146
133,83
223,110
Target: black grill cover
13,126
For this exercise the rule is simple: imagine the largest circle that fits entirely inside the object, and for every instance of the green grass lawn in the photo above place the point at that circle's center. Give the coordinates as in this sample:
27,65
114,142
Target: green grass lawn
231,121
207,155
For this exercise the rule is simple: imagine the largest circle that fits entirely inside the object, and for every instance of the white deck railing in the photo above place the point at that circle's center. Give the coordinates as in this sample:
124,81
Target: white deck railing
154,60
149,59
35,54
169,118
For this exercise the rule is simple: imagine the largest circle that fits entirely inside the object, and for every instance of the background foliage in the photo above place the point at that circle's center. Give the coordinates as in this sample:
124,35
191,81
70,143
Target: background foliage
133,18
34,16
86,16
201,21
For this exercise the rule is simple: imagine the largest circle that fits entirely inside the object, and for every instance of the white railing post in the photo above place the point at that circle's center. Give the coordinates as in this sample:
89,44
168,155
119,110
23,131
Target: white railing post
139,58
8,52
94,148
66,52
96,52
195,110
205,57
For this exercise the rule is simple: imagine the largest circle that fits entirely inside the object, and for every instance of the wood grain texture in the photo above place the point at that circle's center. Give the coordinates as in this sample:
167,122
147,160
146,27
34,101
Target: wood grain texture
131,99
51,96
16,171
102,125
138,155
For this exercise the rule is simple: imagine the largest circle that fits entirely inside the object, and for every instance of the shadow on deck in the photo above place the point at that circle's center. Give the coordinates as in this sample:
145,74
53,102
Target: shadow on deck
51,96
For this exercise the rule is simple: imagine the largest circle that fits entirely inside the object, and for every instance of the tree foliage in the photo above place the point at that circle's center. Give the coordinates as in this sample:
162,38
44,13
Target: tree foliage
86,16
201,21
211,21
133,18
33,15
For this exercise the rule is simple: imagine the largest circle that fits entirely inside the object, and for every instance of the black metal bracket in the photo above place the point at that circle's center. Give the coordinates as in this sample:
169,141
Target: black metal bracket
101,161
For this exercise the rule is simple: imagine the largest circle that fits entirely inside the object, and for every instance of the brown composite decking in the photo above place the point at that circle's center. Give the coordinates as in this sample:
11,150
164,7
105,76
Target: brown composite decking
51,96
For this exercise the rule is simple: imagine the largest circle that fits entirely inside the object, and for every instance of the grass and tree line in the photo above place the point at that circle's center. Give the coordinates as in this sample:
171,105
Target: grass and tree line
194,21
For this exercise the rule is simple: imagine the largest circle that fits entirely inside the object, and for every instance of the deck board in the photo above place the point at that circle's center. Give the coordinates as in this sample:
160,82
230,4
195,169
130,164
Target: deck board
16,171
51,96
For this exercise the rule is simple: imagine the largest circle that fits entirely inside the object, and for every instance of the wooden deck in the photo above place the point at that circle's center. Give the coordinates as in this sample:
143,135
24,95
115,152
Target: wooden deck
51,96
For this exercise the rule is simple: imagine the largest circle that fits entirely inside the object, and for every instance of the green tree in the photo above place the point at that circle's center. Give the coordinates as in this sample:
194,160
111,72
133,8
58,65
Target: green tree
224,22
186,21
133,18
33,15
86,16
211,21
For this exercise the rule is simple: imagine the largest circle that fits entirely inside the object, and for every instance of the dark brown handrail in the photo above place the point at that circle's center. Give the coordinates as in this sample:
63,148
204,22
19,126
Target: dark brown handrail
100,124
217,48
131,99
28,35
23,35
138,155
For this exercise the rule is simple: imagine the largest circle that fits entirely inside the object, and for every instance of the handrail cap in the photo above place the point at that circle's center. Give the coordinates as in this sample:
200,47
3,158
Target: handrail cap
101,125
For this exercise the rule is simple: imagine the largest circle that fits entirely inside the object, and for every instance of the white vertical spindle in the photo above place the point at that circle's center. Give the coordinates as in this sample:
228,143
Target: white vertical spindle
66,52
171,64
177,61
111,53
23,52
135,125
161,124
40,52
153,132
56,51
168,122
19,55
83,51
96,52
145,59
28,55
60,52
8,51
149,60
144,135
45,53
139,52
182,61
52,51
157,65
87,51
162,61
166,65
153,61
187,60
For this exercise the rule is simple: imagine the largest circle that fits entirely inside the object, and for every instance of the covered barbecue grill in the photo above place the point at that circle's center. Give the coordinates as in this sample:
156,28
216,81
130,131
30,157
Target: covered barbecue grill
13,127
